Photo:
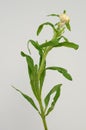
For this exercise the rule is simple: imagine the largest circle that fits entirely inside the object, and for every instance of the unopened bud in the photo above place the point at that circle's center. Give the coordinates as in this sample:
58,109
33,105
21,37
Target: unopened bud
64,18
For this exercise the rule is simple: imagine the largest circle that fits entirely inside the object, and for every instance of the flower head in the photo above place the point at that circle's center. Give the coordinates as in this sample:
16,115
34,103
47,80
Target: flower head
64,21
64,18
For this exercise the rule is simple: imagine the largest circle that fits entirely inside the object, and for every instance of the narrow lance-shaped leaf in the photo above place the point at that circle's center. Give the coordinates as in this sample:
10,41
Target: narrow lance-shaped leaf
36,45
68,26
56,90
66,40
61,70
40,29
30,64
32,73
49,43
29,99
68,44
42,77
35,82
52,43
29,60
42,25
53,15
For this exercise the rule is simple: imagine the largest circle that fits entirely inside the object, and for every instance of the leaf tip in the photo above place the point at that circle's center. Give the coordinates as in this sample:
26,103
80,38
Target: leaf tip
37,33
77,47
23,54
71,79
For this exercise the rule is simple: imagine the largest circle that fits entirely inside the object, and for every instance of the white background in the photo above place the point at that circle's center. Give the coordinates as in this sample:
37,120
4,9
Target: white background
19,20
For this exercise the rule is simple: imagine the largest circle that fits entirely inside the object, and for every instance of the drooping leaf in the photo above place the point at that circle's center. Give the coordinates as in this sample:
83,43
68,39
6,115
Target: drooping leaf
56,90
68,44
42,25
36,45
40,29
54,15
29,60
63,71
28,98
30,63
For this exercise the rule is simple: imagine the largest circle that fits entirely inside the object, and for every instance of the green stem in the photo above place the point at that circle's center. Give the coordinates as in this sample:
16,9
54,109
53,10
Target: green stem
42,64
44,56
44,123
43,115
41,67
43,61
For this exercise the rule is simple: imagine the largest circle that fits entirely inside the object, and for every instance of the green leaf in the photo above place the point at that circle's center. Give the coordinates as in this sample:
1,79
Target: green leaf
42,77
29,60
32,71
36,45
68,26
42,25
56,90
30,64
66,40
54,15
68,44
23,54
29,99
39,29
64,11
35,81
63,71
52,43
49,43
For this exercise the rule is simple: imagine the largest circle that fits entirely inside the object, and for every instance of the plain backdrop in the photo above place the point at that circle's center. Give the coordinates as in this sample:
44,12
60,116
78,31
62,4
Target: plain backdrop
19,20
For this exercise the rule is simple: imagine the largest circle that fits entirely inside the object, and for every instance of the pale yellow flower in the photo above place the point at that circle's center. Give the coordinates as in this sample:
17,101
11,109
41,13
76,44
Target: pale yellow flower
64,18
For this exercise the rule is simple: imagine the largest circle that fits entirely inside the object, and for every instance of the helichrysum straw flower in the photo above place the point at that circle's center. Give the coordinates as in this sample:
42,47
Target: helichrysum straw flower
37,72
64,18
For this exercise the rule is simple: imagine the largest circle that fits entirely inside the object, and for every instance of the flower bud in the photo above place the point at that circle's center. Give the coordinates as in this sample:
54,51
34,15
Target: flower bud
64,18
